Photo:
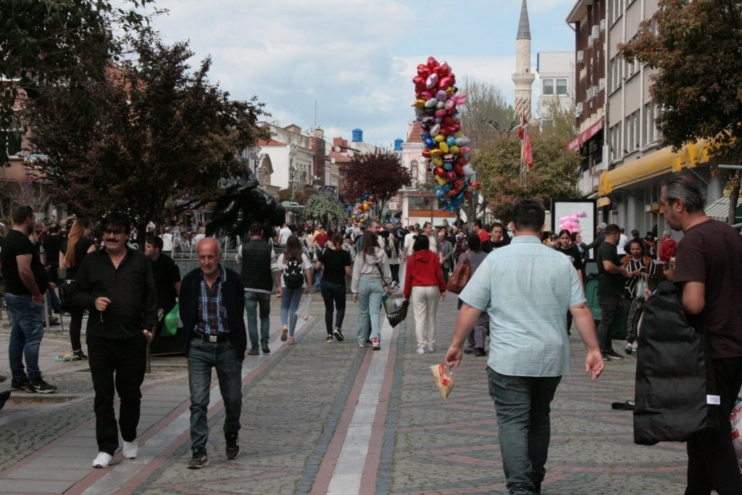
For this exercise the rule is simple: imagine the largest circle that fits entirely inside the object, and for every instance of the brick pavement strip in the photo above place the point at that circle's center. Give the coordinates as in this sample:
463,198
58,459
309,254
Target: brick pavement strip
292,407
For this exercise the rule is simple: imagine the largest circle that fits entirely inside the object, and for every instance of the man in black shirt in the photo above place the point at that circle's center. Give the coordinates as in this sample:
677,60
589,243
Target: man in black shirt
25,285
167,276
116,286
52,244
611,282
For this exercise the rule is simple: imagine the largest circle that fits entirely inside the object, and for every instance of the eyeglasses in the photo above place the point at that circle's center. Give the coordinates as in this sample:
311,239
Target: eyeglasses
113,232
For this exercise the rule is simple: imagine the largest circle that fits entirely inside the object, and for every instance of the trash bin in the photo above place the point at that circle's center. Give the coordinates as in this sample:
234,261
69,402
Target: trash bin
618,329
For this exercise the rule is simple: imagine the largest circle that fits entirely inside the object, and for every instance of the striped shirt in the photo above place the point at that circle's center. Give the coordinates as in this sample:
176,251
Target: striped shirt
212,314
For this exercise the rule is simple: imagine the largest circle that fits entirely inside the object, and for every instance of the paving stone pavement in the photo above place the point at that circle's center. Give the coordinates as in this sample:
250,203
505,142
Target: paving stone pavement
332,418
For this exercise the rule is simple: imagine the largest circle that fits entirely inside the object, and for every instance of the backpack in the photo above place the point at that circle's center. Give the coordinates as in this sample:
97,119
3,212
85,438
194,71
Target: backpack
293,275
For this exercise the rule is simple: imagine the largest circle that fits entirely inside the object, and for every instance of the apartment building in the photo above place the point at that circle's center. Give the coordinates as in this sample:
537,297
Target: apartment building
556,73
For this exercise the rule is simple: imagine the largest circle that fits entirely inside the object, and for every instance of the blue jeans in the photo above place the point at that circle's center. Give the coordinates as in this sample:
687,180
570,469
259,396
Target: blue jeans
252,299
290,299
522,405
333,295
203,356
370,292
27,330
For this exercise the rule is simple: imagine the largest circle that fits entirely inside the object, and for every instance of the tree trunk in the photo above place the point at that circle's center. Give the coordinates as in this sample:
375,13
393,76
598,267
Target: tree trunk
733,197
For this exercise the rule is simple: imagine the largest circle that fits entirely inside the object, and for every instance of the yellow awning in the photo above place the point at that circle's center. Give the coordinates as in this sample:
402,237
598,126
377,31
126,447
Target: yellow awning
653,165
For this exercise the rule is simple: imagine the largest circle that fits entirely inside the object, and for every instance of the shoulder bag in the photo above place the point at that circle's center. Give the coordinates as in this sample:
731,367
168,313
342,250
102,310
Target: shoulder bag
460,277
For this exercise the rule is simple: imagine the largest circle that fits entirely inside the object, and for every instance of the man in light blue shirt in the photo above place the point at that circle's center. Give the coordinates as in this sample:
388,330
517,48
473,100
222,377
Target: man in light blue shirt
526,288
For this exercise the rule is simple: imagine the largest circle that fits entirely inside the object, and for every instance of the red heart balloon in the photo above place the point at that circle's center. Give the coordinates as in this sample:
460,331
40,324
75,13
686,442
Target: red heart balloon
432,63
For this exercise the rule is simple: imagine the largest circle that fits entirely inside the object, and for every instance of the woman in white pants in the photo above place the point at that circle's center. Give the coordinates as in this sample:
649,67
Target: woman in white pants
423,287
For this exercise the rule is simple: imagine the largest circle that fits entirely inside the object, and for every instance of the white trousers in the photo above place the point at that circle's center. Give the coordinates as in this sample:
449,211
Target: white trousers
424,301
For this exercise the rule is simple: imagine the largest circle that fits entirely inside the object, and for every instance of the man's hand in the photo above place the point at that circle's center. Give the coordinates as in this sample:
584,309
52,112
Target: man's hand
355,298
149,335
453,356
278,291
38,299
594,364
101,303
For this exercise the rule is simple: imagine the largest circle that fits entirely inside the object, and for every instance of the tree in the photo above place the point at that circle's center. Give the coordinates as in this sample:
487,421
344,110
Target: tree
554,175
44,41
161,132
324,205
560,120
695,46
301,195
486,114
379,175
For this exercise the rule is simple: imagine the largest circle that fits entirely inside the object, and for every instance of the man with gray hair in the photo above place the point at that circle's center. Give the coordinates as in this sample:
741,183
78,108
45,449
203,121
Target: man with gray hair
708,266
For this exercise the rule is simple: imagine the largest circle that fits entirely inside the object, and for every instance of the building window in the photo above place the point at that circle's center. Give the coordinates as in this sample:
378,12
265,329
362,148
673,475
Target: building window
548,86
561,87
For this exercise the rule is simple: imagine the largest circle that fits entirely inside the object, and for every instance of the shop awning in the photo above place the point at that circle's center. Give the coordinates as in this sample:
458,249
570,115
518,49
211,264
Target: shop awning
583,137
653,165
719,209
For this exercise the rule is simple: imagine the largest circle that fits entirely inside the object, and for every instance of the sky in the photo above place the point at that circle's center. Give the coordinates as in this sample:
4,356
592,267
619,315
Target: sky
346,64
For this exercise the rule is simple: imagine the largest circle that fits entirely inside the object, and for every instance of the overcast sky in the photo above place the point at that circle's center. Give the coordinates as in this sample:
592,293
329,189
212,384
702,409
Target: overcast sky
354,59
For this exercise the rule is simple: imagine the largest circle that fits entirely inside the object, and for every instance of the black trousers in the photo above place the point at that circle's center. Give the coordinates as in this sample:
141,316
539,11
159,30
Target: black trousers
712,462
120,365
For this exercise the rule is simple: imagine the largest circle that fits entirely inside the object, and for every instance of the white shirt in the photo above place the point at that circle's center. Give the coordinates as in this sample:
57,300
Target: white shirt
283,235
409,240
305,265
167,242
620,247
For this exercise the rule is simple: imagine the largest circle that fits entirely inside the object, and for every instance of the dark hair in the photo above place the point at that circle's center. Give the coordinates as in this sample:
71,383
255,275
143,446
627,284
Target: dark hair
639,243
612,229
337,240
256,229
21,214
573,236
474,243
528,215
635,233
498,224
54,228
368,244
564,231
477,223
684,186
156,241
292,251
422,242
116,220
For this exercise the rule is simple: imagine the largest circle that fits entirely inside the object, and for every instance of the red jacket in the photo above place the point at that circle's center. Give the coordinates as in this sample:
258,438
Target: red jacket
423,269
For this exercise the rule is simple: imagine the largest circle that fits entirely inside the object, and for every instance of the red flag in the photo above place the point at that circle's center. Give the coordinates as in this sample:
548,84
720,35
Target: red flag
528,152
522,126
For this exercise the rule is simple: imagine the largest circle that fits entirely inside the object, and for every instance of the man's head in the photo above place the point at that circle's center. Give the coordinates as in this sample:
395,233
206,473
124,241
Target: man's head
427,229
601,227
665,235
23,217
442,235
209,256
153,246
256,230
528,217
612,234
374,226
477,225
498,232
680,199
116,228
635,234
650,236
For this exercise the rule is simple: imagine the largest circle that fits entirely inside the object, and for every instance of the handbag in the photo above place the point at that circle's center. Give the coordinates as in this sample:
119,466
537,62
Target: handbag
66,289
460,277
398,315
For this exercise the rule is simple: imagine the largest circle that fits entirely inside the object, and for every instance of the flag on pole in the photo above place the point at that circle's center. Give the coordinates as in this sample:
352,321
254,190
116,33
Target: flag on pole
522,126
528,152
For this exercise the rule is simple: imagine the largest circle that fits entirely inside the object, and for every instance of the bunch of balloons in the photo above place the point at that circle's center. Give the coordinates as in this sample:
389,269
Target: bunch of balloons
571,222
446,148
360,211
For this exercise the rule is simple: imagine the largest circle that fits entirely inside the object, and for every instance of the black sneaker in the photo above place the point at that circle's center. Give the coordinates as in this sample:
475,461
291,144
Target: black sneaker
338,334
613,354
78,356
329,338
606,357
266,349
479,352
41,387
199,460
233,445
23,386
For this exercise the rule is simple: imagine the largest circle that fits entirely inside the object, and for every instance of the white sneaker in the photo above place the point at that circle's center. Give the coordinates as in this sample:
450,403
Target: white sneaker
420,350
430,348
102,460
131,449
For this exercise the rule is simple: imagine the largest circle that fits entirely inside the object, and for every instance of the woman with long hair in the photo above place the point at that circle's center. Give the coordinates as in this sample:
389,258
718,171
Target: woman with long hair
566,246
371,277
296,279
423,287
73,250
335,263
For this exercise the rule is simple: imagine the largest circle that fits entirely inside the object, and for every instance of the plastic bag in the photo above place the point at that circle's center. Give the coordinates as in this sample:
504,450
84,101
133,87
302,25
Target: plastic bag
443,378
171,323
303,310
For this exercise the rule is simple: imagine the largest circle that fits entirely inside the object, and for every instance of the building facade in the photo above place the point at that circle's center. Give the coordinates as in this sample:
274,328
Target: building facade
556,74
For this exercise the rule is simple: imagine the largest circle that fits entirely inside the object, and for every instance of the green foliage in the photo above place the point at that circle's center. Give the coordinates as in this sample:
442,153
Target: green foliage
695,45
161,131
554,175
486,114
44,41
561,120
324,205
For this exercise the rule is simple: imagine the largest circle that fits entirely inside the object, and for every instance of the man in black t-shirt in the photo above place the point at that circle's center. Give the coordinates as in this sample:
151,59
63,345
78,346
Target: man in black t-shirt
611,281
25,285
167,277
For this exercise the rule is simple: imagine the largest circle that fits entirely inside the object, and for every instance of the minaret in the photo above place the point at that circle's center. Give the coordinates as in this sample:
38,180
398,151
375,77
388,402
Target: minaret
523,78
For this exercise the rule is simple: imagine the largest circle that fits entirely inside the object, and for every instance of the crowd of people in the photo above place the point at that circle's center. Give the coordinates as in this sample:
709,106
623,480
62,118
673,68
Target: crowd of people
524,294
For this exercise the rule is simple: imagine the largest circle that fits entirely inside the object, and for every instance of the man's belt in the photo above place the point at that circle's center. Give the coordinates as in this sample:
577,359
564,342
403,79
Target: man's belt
216,339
